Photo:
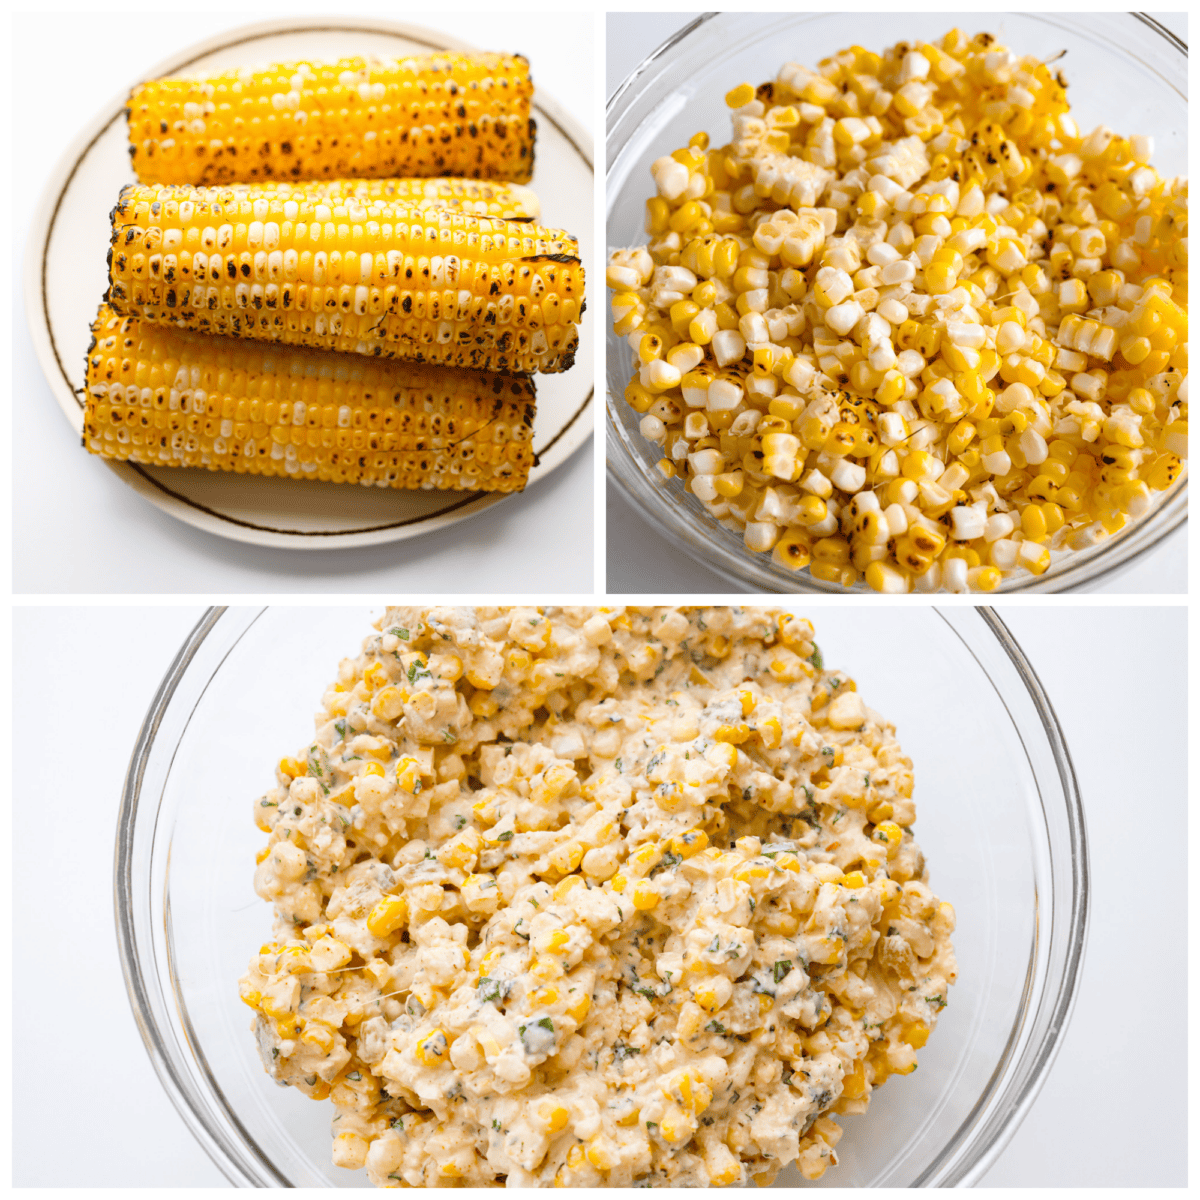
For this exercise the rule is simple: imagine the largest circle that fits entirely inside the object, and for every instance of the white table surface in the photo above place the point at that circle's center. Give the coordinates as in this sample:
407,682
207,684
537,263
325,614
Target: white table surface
640,559
1125,728
80,529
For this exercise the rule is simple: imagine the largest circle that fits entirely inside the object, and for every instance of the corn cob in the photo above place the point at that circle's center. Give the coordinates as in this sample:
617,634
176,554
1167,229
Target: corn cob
506,201
446,114
370,278
167,398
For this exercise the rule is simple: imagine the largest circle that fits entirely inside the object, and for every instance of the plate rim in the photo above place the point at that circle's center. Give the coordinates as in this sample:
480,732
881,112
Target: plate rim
138,477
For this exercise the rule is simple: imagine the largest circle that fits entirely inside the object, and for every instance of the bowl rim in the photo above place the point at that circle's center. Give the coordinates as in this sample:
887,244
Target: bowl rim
239,1164
686,521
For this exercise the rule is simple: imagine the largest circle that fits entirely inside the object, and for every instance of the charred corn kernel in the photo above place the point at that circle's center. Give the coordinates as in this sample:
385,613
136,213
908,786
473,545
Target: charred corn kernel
433,1049
387,916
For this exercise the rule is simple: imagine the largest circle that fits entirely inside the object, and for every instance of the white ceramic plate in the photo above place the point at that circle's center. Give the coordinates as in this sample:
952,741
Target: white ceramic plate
66,277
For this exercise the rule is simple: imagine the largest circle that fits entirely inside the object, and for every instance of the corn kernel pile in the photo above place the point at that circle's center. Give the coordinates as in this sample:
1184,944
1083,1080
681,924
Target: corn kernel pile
594,897
911,325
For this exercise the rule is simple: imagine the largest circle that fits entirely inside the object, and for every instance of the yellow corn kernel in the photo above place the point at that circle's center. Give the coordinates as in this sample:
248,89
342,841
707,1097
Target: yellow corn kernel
916,1034
558,942
317,1033
854,1085
891,834
733,734
292,768
554,1116
387,916
388,704
600,1155
567,857
752,873
771,732
566,886
543,997
579,1008
855,879
689,843
619,883
408,774
712,994
433,1049
740,95
375,676
576,1156
553,783
747,700
645,897
723,1168
644,857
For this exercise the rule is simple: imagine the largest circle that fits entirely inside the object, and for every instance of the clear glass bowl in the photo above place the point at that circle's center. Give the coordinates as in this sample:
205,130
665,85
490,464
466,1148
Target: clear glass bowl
999,818
680,88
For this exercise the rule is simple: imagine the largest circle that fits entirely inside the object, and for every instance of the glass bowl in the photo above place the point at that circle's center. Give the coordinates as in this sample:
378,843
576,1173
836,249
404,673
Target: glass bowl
999,818
680,89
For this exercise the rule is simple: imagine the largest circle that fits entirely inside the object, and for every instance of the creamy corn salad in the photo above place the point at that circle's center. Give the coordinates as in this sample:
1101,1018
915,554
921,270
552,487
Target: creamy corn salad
911,325
594,897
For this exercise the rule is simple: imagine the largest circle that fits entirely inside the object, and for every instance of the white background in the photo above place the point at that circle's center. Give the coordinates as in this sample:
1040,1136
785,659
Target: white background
640,559
88,1108
78,527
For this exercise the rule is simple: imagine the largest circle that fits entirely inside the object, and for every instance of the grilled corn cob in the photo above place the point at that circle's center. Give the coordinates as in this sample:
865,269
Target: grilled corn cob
446,114
480,198
167,398
370,277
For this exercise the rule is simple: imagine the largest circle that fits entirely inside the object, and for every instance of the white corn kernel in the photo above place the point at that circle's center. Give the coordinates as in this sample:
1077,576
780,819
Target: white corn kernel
968,522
